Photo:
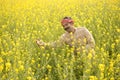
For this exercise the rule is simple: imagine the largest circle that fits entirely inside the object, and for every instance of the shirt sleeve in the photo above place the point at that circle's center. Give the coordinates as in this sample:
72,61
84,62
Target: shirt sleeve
90,42
58,43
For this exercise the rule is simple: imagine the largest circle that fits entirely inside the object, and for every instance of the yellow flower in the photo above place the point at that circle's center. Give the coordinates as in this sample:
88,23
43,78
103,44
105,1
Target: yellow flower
29,69
93,78
1,60
33,61
48,55
21,67
1,68
112,78
64,75
84,40
4,77
8,65
89,55
72,49
101,67
118,30
117,41
20,62
4,26
42,47
111,65
16,70
118,57
33,73
43,55
113,46
3,53
58,65
29,78
102,49
46,78
38,65
69,67
49,67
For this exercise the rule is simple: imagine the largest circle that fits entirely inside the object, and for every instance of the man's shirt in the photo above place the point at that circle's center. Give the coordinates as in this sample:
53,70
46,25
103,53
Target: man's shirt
80,38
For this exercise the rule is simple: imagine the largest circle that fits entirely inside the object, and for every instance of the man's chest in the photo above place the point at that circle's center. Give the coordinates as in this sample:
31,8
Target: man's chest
76,38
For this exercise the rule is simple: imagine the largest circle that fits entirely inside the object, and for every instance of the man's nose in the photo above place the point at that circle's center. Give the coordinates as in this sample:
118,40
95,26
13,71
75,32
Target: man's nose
65,26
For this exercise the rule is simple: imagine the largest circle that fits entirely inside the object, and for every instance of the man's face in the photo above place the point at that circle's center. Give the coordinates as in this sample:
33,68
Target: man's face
67,26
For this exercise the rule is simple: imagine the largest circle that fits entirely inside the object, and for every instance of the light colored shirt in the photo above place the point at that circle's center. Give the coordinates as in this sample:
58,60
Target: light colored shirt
81,37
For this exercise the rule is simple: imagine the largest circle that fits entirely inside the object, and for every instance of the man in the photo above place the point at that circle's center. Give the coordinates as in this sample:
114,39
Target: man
78,38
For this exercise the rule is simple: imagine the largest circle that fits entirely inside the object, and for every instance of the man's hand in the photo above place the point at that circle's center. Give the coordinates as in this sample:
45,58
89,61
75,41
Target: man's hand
40,43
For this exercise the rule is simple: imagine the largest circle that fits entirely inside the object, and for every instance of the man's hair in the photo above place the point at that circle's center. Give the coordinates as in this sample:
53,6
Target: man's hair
67,18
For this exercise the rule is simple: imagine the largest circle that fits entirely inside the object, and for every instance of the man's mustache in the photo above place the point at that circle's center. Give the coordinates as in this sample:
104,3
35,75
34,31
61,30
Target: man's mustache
66,28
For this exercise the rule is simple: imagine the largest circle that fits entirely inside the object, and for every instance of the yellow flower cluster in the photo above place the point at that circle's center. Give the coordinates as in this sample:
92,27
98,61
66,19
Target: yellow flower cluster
22,22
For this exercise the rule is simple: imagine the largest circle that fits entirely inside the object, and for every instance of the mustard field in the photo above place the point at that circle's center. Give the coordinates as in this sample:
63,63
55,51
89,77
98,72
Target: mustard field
22,22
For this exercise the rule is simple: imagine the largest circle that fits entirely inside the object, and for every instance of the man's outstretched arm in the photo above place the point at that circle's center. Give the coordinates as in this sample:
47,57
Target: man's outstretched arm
54,44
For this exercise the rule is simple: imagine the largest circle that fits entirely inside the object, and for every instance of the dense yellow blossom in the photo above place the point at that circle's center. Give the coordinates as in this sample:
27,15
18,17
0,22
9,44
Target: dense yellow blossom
21,68
1,60
8,66
22,22
101,67
93,78
1,68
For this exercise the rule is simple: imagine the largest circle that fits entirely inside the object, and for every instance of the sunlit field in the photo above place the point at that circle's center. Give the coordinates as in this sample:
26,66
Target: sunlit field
22,22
